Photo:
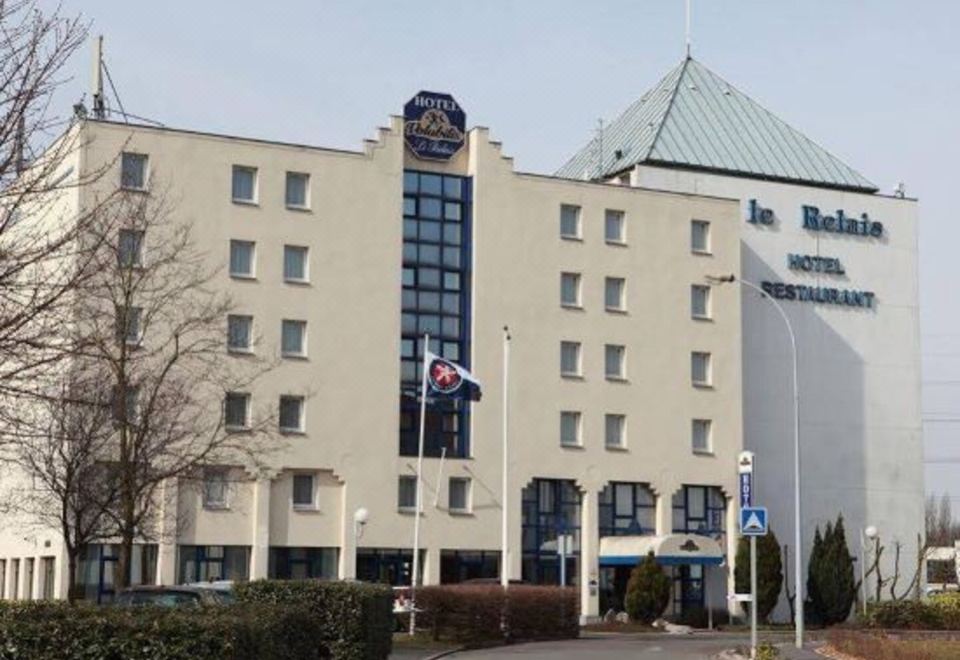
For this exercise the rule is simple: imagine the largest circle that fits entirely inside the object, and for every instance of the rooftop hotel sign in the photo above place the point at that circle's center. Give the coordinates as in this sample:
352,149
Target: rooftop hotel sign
813,220
434,126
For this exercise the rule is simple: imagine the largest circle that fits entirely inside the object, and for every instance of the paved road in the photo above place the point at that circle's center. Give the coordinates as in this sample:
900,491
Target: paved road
624,647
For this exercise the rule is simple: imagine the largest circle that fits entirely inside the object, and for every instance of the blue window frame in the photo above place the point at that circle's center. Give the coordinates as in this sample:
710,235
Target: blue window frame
696,510
626,509
551,508
97,565
435,300
461,565
303,563
205,563
393,566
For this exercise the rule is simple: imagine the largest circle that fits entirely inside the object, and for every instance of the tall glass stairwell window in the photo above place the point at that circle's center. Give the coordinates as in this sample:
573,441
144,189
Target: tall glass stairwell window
435,300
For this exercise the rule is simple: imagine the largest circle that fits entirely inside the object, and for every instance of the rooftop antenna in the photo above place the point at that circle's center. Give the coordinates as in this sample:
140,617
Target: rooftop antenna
99,104
688,28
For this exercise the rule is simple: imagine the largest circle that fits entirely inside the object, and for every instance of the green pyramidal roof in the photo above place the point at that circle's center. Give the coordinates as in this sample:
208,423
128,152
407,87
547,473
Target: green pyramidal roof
694,119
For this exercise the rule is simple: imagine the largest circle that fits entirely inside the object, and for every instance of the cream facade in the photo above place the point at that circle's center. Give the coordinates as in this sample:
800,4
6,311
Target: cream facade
625,402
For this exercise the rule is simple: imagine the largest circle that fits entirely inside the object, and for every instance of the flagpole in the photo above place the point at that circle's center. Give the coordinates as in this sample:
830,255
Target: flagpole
419,498
504,558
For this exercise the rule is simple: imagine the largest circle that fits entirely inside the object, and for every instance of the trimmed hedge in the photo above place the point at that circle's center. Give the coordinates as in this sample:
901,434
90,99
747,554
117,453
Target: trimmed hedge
481,614
354,621
59,631
940,612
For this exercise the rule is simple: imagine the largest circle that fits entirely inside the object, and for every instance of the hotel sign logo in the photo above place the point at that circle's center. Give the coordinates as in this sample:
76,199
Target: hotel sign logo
434,126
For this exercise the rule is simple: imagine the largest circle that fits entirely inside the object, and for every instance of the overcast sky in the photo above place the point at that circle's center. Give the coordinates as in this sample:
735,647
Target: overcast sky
877,83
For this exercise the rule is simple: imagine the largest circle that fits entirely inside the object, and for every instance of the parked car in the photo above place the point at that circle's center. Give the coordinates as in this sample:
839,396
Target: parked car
223,589
178,596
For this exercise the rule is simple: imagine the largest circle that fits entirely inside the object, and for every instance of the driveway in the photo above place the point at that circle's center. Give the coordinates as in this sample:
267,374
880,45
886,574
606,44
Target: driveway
622,647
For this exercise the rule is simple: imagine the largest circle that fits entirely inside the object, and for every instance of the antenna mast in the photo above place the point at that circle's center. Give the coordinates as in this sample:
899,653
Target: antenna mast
688,28
99,105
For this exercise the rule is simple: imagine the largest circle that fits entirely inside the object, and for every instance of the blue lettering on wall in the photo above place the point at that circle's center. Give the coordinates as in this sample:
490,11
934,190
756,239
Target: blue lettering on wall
840,223
819,294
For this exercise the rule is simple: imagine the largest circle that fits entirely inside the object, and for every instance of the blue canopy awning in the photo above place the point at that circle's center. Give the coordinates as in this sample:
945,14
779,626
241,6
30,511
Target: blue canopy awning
668,550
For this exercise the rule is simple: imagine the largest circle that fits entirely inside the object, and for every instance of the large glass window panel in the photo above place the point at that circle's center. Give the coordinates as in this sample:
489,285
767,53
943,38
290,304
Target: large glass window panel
410,182
452,187
430,231
430,184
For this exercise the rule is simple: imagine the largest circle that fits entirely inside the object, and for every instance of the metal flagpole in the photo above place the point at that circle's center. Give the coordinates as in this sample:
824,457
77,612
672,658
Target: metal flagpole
504,553
419,498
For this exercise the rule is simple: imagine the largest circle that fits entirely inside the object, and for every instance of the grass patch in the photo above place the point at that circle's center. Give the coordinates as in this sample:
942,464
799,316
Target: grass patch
880,647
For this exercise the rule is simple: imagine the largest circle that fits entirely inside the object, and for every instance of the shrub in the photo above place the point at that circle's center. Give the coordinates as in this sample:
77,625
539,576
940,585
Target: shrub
830,581
947,610
904,614
480,614
59,631
769,573
354,620
648,591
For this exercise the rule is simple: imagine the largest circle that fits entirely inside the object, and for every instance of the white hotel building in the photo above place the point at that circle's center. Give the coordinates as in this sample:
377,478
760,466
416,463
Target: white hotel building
634,381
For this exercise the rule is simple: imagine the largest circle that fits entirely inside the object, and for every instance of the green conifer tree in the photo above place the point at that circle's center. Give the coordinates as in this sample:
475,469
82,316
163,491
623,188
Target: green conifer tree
769,572
830,583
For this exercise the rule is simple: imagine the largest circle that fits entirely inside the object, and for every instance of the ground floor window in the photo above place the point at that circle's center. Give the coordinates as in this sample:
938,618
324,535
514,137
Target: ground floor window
303,563
627,509
700,510
551,529
47,576
207,563
687,588
97,565
393,566
463,565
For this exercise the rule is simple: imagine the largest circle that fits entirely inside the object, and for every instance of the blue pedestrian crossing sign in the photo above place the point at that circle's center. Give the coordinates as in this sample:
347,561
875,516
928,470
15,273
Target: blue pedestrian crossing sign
753,521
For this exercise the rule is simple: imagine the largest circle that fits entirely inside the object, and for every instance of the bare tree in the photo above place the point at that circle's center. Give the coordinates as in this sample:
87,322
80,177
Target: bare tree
154,319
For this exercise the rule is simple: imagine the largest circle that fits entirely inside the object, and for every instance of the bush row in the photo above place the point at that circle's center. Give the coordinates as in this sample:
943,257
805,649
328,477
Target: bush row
940,612
481,614
58,631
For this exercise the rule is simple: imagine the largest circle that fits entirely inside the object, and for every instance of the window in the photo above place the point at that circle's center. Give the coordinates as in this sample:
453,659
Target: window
700,236
627,509
291,414
407,492
702,442
614,361
302,563
47,577
569,221
615,427
614,227
206,563
570,428
237,410
128,324
244,184
240,333
133,171
242,254
294,263
551,514
293,340
700,368
613,294
459,494
570,289
303,491
297,186
130,248
215,488
570,358
700,301
126,404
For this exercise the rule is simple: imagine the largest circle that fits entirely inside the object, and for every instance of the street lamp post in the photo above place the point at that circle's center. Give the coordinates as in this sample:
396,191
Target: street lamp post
869,533
797,536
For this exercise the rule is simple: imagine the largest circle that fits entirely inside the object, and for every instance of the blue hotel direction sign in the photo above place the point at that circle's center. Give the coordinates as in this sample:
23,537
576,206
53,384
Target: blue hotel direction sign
753,521
746,490
434,126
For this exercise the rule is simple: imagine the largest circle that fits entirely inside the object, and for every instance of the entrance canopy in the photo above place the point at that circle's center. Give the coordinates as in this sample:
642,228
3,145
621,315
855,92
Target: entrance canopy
670,549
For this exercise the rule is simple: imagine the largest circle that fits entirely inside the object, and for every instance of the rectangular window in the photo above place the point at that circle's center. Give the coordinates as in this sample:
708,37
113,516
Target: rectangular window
239,333
615,431
297,186
614,227
459,494
702,441
407,492
242,254
303,491
569,221
130,248
570,358
570,289
615,361
133,171
129,324
614,289
244,184
700,236
215,488
293,341
570,428
700,301
237,410
700,368
291,414
295,263
48,573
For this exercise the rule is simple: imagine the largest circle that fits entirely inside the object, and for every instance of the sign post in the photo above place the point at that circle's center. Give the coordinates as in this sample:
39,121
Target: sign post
752,523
